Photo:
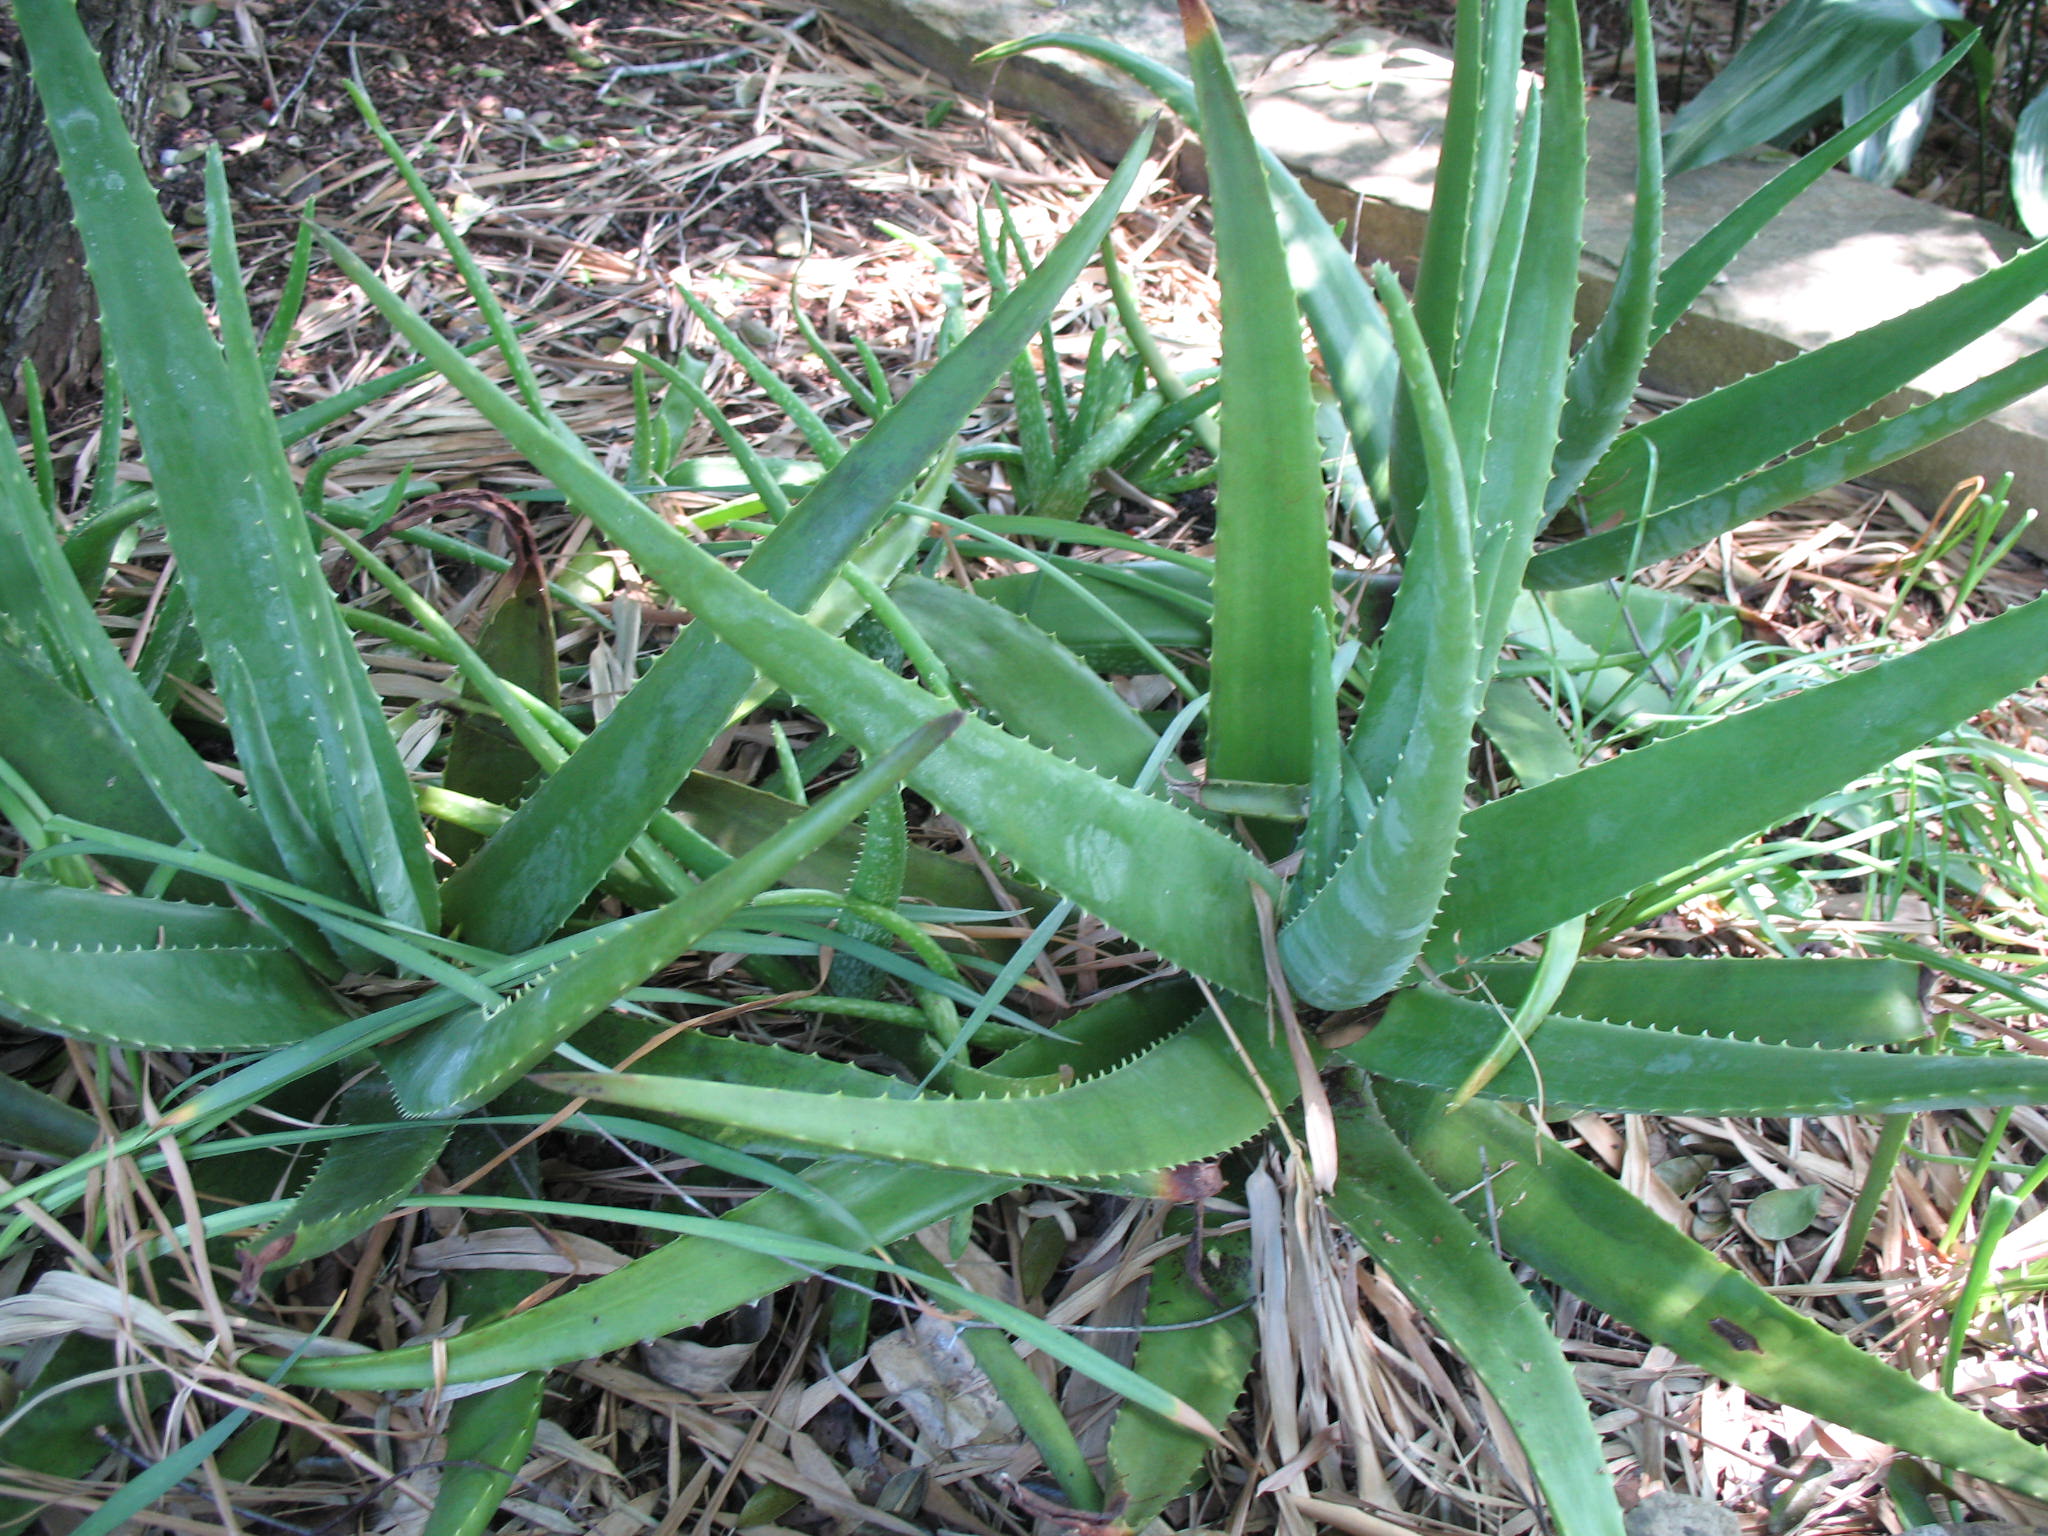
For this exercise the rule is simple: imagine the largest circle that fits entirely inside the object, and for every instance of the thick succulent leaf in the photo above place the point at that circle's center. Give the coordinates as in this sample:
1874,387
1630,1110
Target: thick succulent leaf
359,1180
1272,583
558,845
462,1060
310,734
1200,1351
517,643
1532,860
1442,1264
1603,378
1800,61
1124,856
1030,682
163,975
1568,1220
1435,1040
35,1122
1361,931
1186,1098
691,1280
489,1434
1640,542
1577,628
1710,443
1783,1002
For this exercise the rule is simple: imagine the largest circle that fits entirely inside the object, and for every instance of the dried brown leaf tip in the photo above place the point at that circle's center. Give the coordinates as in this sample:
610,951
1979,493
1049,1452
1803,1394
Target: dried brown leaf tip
1189,1184
1196,21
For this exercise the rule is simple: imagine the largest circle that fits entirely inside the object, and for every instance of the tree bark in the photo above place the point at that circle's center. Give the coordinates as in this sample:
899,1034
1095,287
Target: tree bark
47,314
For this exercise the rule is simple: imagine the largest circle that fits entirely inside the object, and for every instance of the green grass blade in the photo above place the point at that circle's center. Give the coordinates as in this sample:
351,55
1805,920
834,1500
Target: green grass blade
1028,681
1433,1039
1568,1220
1534,859
1602,382
463,1060
163,975
1441,1263
1272,587
558,845
297,697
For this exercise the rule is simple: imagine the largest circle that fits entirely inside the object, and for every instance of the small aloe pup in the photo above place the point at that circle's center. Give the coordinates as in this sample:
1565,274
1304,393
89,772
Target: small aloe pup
1332,859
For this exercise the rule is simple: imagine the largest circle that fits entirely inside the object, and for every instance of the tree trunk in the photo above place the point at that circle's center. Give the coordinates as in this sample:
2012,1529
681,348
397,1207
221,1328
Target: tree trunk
47,315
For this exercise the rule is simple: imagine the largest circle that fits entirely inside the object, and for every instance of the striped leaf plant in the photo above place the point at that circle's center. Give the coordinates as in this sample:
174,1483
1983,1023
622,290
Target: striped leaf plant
1340,924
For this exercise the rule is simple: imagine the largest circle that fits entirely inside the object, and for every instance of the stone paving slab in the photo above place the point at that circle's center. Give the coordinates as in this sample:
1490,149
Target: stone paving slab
1357,113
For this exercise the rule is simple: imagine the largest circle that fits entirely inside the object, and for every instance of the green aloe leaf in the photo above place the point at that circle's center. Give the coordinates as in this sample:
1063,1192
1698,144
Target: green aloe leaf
310,734
163,975
359,1180
1186,1098
1603,378
489,1434
1835,1003
1442,1263
1200,1350
1028,680
1636,543
1712,442
558,845
461,1061
1362,929
1888,154
1568,1220
1802,59
1122,855
2030,166
1532,860
1430,1038
38,1123
1272,583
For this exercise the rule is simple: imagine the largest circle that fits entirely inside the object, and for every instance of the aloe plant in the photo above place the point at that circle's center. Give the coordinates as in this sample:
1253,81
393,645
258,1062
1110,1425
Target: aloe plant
1329,860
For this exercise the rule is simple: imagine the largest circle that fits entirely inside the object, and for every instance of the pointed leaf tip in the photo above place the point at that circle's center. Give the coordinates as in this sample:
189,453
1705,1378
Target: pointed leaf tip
1196,21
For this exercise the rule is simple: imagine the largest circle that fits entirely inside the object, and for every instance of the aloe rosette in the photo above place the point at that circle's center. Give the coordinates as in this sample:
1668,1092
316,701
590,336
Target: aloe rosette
1333,854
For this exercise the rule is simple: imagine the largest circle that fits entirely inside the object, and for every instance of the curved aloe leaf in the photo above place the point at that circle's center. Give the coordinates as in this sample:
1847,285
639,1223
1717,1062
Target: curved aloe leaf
1603,378
1568,1220
463,1060
558,845
1710,443
360,1179
1635,544
38,1123
1441,1263
1361,931
164,975
489,1434
2030,166
1200,1350
297,697
1800,60
1122,855
1888,154
1784,1002
1186,1098
1435,1040
1272,584
1532,860
1027,680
